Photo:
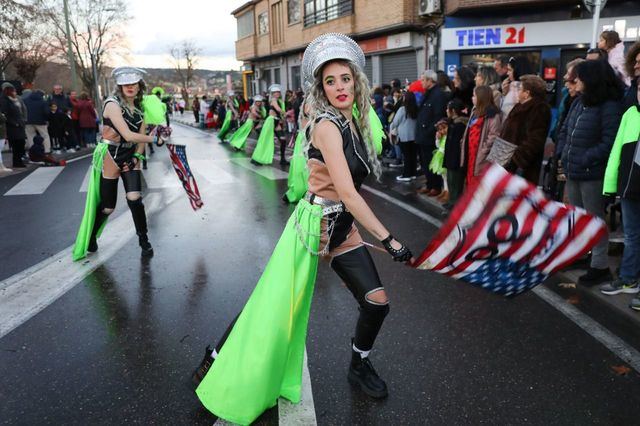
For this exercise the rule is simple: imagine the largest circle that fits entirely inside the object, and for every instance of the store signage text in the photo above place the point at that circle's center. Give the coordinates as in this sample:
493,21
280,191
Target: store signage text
491,36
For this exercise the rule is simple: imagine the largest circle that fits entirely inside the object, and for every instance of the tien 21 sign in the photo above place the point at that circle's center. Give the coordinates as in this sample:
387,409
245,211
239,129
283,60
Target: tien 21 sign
491,36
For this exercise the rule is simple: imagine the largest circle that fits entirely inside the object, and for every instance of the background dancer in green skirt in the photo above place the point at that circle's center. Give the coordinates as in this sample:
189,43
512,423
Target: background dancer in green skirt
273,128
260,356
257,114
118,155
231,115
298,172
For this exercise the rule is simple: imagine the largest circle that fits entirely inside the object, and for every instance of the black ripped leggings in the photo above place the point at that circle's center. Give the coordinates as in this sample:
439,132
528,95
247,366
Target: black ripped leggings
359,273
132,182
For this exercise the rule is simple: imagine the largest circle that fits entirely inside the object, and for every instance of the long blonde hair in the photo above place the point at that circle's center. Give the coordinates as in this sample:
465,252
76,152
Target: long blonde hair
318,103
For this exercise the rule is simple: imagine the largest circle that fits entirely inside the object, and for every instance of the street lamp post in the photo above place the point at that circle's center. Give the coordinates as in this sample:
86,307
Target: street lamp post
595,6
72,63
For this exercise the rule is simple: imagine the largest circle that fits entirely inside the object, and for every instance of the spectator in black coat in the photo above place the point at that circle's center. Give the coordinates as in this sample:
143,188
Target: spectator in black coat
37,112
13,109
584,144
432,109
452,149
463,85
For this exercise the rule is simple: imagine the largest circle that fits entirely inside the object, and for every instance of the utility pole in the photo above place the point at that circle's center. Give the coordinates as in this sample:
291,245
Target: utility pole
595,7
72,63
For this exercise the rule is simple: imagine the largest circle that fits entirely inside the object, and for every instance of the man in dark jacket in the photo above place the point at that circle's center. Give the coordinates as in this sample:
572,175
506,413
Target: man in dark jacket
432,109
59,98
37,113
12,108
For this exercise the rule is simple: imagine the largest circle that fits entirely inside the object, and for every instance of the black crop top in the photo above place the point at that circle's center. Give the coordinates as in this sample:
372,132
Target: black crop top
354,150
134,119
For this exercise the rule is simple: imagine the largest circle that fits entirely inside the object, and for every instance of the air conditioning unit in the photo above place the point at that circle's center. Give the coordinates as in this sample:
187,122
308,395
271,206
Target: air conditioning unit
258,73
429,7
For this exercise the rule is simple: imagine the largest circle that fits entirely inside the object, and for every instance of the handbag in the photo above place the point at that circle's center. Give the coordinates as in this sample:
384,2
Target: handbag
501,152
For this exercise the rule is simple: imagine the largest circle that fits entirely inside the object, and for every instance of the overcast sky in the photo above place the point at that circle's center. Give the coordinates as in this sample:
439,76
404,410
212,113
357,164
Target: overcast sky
159,24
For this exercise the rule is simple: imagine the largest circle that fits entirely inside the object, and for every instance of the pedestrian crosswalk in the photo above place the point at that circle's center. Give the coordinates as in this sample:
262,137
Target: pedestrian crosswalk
159,175
36,182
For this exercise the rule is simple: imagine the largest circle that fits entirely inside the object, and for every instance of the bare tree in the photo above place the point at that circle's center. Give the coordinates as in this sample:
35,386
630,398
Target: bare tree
17,22
97,34
185,58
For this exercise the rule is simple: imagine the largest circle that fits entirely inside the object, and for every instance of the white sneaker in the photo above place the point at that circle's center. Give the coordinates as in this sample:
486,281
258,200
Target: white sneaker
403,179
57,151
71,150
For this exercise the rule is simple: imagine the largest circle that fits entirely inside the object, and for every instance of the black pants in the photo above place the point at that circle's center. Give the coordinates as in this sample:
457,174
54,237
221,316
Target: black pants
17,149
410,154
455,182
196,114
359,273
434,181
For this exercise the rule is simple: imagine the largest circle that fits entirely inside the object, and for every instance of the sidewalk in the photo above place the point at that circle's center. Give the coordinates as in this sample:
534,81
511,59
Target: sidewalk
7,161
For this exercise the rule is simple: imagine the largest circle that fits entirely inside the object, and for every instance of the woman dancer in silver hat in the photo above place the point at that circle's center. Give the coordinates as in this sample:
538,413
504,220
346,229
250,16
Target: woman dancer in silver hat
119,155
260,356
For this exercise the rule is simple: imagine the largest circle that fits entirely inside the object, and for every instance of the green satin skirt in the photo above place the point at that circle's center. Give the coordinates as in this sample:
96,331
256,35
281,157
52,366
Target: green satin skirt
239,138
226,125
298,172
262,358
91,205
263,153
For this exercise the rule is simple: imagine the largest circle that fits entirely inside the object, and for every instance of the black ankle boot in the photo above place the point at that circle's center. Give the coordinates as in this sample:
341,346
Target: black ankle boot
203,368
362,374
143,240
93,245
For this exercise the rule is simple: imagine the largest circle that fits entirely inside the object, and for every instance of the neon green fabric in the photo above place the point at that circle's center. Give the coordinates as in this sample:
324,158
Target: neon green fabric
91,205
377,131
263,153
226,125
154,110
157,90
262,357
239,138
438,157
298,172
627,133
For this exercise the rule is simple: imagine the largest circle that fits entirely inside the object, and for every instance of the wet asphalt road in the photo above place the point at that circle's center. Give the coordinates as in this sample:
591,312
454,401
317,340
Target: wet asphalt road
119,347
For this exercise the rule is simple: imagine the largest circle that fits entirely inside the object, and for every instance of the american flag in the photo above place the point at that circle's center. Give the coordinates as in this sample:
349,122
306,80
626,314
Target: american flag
178,154
505,236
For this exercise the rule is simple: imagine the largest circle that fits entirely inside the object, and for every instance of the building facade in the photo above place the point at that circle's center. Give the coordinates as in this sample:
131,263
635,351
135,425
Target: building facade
549,32
272,36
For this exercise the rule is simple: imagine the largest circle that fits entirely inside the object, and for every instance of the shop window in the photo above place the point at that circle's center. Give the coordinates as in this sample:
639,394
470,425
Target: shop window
294,13
318,11
263,23
245,25
276,76
476,60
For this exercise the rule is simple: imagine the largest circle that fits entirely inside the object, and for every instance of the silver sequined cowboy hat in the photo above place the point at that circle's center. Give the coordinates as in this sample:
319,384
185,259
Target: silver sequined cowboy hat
127,75
329,47
275,88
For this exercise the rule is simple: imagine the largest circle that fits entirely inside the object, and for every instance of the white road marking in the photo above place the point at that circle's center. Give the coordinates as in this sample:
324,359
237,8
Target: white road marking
160,175
37,182
82,157
212,173
26,293
301,414
85,182
265,171
612,342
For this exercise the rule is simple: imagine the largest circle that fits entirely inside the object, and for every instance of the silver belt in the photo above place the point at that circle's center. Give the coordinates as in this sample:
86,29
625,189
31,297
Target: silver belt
328,206
118,144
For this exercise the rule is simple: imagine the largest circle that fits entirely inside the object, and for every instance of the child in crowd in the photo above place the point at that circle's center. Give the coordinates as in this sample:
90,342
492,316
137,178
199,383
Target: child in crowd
56,128
452,151
37,154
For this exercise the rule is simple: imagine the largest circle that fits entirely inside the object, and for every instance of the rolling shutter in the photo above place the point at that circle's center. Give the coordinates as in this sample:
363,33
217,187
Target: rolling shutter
399,65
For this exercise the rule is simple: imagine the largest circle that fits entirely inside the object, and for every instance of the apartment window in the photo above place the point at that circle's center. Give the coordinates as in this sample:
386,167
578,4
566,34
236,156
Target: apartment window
277,24
296,82
293,11
318,11
263,23
276,76
245,25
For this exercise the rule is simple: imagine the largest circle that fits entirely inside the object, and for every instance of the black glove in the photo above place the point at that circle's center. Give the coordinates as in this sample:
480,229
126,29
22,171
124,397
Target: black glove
403,254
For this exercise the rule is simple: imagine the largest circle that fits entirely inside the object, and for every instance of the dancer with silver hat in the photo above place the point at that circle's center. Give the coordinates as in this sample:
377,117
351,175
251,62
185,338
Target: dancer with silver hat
118,155
260,357
257,114
272,128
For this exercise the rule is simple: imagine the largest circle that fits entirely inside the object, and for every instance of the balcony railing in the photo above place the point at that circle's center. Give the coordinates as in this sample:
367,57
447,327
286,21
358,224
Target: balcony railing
338,9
